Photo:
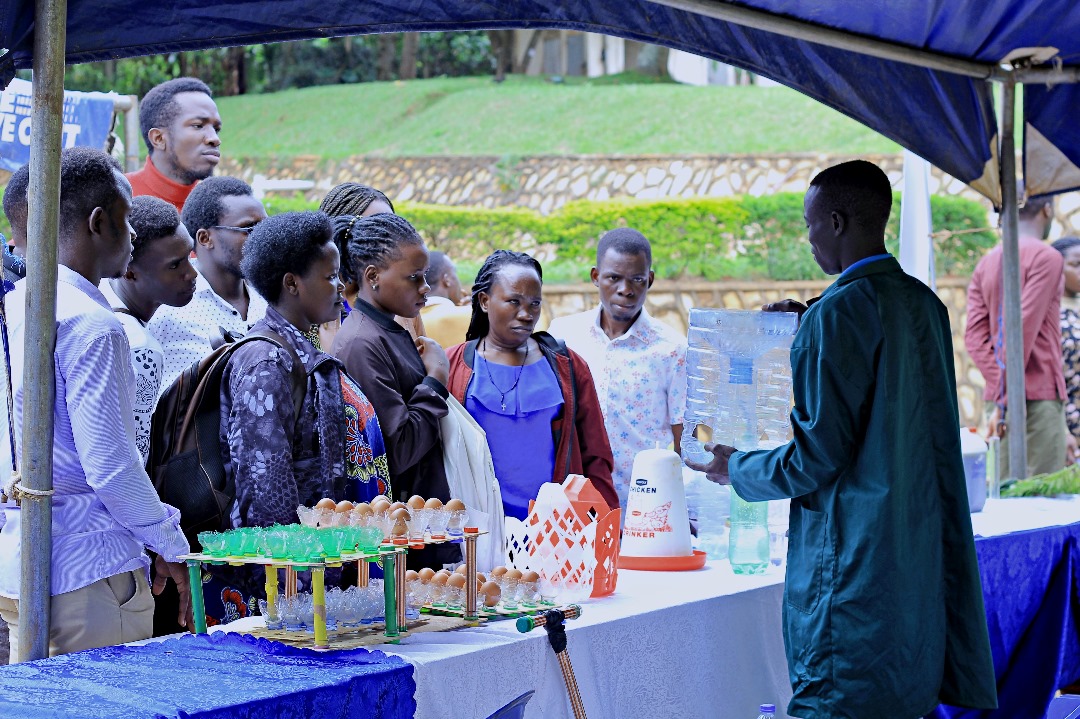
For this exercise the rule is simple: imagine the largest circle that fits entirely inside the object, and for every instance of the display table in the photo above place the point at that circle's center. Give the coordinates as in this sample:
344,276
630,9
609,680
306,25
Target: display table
691,644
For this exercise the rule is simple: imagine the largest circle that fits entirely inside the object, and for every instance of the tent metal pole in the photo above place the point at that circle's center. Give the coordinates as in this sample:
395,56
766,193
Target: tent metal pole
1016,416
811,32
39,387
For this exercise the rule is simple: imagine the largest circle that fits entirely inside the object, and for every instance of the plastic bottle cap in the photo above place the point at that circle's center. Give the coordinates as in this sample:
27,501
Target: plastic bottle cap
767,708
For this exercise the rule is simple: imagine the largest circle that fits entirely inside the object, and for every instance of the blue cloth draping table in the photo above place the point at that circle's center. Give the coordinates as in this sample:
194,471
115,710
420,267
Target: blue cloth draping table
704,643
216,676
1031,587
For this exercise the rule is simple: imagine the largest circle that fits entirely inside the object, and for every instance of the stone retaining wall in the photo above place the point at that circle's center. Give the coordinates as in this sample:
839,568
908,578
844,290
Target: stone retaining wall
546,183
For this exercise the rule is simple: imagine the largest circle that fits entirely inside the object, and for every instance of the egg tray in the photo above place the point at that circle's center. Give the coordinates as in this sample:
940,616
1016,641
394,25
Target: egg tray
366,636
392,557
495,614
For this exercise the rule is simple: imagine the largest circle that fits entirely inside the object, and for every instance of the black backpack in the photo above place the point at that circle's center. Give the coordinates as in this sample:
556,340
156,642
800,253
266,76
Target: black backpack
184,461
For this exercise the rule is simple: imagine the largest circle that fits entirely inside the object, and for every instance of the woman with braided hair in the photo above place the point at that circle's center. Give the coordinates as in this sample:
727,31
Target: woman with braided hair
354,200
405,379
534,397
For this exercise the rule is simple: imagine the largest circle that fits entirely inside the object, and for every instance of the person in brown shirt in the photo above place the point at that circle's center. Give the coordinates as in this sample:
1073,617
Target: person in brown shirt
405,379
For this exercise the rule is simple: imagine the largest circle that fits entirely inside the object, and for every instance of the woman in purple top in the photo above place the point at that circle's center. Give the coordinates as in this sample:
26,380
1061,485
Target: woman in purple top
534,398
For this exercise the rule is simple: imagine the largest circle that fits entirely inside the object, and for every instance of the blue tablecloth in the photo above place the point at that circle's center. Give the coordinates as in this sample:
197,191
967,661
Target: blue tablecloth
1031,586
214,676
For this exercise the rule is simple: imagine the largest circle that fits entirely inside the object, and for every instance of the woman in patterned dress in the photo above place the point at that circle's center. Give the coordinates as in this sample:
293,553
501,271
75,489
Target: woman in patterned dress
280,458
1069,247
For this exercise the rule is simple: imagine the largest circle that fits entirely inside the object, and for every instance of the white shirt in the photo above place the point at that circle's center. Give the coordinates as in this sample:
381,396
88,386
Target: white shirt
148,363
185,333
640,379
105,509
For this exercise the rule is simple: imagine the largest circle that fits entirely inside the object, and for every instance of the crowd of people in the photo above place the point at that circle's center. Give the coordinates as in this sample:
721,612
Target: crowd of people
358,338
347,343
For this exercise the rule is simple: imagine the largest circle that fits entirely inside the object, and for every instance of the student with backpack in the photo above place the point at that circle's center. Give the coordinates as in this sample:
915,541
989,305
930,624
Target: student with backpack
286,443
534,397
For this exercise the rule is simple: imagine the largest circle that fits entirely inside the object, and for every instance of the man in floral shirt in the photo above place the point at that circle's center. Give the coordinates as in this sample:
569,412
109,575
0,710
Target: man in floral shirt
637,362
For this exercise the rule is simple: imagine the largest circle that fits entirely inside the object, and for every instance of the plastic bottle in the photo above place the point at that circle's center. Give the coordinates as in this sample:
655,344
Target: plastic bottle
768,711
708,506
739,387
973,449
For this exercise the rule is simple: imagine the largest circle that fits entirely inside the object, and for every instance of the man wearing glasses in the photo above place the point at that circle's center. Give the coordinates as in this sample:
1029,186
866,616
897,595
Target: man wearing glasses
220,213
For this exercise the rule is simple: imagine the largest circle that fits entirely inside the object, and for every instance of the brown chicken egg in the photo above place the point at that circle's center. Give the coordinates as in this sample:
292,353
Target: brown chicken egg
398,505
492,594
480,577
344,506
363,509
498,571
326,503
411,575
401,513
513,573
399,529
455,505
456,580
460,570
416,502
530,576
380,505
433,503
439,579
426,574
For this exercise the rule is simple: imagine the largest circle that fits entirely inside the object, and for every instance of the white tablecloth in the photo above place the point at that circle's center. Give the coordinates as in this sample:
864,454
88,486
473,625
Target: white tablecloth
668,644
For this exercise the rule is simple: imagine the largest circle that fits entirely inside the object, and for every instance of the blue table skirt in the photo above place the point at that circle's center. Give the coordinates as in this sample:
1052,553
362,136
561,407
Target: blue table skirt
1031,586
214,676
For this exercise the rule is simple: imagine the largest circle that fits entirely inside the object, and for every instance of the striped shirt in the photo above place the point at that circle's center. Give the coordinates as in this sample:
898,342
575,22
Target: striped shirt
105,510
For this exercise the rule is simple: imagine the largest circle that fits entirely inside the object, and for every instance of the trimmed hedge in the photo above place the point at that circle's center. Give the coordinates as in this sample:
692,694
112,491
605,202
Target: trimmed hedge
709,238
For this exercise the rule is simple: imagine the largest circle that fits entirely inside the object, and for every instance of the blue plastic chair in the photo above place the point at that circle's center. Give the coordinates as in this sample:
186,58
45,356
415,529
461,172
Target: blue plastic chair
515,709
1066,706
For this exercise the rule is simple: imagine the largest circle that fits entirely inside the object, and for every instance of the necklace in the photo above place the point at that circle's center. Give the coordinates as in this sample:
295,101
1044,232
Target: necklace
521,368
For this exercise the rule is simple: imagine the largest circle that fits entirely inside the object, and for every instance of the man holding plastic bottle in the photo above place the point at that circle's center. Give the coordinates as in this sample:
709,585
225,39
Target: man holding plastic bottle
883,609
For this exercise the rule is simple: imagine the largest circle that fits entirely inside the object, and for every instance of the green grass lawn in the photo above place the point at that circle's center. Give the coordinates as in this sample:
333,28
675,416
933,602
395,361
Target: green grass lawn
531,116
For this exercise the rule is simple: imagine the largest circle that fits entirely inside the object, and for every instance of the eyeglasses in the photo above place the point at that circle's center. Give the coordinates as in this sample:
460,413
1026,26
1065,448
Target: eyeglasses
245,230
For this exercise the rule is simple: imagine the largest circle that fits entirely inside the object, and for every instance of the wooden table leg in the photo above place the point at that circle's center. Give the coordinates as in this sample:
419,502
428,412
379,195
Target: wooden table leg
318,595
471,613
390,594
198,606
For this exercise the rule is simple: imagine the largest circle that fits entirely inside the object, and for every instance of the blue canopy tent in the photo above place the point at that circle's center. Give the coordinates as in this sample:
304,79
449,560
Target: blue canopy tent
920,73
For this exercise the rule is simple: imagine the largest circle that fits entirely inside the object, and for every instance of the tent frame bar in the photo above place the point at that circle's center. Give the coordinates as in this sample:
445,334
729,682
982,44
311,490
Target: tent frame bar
39,385
883,49
1016,416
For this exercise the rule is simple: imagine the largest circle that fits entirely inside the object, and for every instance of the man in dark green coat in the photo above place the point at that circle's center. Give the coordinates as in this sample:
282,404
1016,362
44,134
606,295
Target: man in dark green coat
883,610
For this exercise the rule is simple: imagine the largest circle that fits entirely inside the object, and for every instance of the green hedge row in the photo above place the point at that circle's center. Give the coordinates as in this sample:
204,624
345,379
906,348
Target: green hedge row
709,238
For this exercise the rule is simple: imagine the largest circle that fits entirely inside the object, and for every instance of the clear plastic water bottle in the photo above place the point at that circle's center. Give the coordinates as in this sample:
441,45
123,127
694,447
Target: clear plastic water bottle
767,711
739,388
708,505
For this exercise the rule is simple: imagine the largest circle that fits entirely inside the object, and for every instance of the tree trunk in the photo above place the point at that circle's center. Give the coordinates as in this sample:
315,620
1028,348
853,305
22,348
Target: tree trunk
521,62
662,60
387,51
239,69
502,49
410,43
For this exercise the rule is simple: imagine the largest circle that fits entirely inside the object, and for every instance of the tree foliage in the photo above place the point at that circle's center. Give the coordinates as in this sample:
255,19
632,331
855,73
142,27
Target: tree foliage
325,61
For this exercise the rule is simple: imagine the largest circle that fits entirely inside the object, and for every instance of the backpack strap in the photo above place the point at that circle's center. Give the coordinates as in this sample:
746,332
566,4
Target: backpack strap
298,375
